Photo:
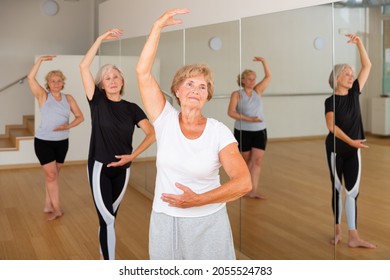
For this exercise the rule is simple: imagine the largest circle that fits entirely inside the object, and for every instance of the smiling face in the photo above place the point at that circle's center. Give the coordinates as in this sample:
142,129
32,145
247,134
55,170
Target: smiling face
55,81
249,80
196,77
193,92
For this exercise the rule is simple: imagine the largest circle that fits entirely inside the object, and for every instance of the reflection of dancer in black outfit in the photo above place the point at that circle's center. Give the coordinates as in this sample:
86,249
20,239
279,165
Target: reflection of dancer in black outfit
111,151
343,119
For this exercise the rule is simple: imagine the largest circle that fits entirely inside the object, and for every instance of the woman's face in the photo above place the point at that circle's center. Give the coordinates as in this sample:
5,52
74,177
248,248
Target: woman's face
112,82
249,81
193,92
346,78
55,83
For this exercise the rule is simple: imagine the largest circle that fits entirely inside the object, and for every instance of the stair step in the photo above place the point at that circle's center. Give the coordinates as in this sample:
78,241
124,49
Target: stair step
9,141
5,143
18,132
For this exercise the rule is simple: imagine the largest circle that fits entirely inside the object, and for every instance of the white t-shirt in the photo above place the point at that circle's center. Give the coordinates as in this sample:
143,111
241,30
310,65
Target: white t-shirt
192,163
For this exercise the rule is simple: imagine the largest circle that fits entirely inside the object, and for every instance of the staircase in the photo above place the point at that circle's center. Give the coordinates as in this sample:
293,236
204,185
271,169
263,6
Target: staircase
14,133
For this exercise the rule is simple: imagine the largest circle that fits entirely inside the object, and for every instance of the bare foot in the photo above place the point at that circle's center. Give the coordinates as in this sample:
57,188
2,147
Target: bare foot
256,196
336,240
360,243
55,215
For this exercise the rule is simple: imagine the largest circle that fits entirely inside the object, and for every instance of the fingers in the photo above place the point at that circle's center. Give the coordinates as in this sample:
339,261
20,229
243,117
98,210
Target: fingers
353,38
47,57
113,34
258,58
168,17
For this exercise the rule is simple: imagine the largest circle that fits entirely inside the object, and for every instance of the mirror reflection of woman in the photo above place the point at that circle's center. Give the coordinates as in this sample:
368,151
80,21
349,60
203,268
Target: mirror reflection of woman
344,121
189,218
51,140
246,107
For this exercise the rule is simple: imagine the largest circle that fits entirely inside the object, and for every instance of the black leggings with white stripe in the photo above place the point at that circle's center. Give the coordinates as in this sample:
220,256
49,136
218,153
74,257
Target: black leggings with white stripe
348,168
108,185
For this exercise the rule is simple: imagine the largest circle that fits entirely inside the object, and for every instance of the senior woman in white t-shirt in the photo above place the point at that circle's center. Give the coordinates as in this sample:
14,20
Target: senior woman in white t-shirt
189,218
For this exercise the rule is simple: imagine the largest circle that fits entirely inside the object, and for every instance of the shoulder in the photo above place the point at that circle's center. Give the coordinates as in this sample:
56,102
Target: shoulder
355,86
329,103
330,98
69,97
217,126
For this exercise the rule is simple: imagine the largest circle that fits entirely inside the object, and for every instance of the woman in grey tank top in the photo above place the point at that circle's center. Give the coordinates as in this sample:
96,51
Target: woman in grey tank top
246,108
51,138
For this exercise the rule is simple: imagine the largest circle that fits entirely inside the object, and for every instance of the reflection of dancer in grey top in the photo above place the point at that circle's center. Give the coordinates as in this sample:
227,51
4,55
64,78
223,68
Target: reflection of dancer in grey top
246,108
343,119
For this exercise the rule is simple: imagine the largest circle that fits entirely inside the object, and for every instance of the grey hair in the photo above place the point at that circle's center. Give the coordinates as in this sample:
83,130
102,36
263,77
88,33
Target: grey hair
337,70
103,71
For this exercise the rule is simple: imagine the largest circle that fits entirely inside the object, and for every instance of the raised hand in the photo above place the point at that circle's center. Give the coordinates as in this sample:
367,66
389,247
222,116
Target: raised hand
46,57
353,39
112,34
258,58
167,19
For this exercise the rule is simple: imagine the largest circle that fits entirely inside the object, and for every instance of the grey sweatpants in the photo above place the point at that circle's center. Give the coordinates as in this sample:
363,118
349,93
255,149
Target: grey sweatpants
199,238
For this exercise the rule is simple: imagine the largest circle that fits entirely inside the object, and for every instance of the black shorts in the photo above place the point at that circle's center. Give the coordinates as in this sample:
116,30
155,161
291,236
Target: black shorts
48,151
251,139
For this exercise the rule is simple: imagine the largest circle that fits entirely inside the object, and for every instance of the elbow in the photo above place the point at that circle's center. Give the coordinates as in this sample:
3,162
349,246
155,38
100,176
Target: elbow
331,128
83,66
139,71
152,137
81,118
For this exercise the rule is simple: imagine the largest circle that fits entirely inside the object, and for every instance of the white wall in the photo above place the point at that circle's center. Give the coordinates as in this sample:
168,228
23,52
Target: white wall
25,32
136,17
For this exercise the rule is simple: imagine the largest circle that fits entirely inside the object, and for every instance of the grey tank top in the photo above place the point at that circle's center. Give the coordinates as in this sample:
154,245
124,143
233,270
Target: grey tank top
251,106
53,114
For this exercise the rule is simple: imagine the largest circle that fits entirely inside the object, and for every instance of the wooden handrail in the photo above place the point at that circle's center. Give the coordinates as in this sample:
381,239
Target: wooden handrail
18,81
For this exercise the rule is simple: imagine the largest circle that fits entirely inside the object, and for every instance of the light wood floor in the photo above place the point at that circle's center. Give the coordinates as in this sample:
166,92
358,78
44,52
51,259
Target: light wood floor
296,221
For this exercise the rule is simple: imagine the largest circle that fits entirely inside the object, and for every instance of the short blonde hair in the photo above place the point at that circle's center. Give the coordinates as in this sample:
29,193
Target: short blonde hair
243,75
103,71
54,73
337,70
193,70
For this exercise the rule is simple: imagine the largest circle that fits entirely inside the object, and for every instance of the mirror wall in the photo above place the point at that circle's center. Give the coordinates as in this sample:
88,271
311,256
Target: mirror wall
296,221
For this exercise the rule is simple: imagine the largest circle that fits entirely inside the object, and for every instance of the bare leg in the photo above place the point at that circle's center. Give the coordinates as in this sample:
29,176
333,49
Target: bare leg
337,235
51,171
48,207
254,160
356,242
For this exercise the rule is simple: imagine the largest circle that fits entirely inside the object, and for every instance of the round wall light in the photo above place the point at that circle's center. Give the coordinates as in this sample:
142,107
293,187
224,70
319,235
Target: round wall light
50,7
319,43
215,43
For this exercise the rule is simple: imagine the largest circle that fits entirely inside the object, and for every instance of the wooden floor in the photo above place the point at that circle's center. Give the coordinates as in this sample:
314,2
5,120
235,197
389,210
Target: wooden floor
296,221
